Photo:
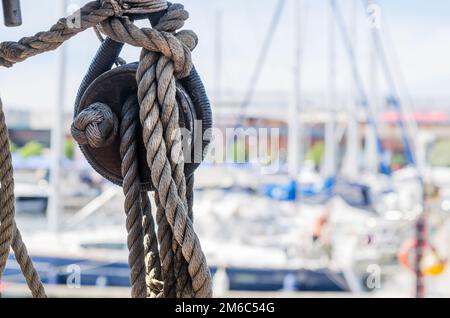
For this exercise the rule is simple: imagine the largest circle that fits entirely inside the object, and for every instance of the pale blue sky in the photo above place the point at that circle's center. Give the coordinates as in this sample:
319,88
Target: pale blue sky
420,31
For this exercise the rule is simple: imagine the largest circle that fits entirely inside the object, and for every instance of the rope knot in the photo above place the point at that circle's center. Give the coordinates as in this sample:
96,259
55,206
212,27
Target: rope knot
96,126
126,7
118,6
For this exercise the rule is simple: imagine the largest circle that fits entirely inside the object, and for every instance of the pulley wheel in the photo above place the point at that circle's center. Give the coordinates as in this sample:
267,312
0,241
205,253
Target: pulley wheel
113,88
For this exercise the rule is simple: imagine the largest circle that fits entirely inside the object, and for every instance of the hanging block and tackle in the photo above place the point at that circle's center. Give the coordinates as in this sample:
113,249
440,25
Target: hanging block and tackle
128,121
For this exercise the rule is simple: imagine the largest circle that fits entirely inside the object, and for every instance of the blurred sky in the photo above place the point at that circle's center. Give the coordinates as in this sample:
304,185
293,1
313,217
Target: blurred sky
419,30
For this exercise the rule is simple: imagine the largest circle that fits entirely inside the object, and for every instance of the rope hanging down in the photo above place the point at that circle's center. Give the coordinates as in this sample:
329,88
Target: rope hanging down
169,263
9,233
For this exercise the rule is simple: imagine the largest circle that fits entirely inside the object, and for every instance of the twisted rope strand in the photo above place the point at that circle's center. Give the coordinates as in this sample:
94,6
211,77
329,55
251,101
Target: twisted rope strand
151,116
152,261
175,208
122,7
124,30
166,254
170,122
7,210
183,271
170,22
90,15
131,189
26,266
9,234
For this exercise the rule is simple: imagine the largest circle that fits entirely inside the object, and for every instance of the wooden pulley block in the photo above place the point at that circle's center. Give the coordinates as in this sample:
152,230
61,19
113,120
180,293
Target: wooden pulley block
113,88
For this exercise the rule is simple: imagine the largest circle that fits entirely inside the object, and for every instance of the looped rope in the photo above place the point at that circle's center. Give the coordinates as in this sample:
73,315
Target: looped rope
117,5
159,118
126,7
10,236
90,15
176,47
96,126
169,263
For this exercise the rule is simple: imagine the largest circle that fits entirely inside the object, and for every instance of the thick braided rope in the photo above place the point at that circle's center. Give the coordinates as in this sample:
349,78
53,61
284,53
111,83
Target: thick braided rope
7,194
152,262
163,180
169,119
170,122
122,7
26,266
170,22
145,276
165,233
90,15
131,188
174,19
166,254
9,234
172,260
190,196
125,31
183,268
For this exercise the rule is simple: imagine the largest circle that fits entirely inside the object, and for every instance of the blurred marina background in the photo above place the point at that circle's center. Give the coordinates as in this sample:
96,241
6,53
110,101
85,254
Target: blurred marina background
356,178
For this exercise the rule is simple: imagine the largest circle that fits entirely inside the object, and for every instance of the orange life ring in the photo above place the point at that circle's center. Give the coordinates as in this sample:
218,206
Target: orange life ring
434,269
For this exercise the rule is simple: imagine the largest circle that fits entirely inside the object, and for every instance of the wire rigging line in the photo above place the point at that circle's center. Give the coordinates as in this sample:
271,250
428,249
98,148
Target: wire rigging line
261,61
355,72
409,106
394,99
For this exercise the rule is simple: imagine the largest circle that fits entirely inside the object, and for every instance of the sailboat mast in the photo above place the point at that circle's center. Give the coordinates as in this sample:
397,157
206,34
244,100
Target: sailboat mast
55,208
352,163
218,48
329,168
372,156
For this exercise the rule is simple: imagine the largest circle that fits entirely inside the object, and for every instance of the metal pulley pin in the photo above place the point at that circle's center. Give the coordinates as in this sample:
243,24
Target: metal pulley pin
11,13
